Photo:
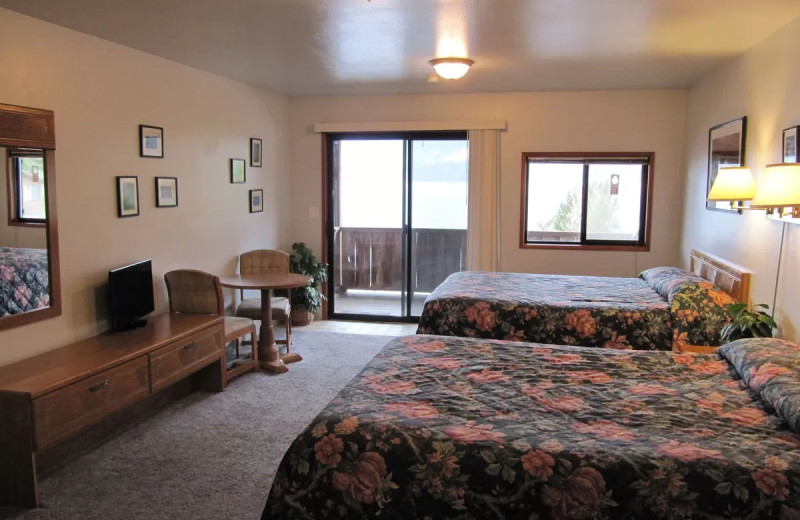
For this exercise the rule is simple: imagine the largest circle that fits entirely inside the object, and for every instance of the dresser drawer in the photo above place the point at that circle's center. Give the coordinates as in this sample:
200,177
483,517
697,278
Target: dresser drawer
63,412
177,360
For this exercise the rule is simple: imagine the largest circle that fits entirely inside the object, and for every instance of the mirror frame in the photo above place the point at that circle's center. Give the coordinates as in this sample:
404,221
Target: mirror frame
24,127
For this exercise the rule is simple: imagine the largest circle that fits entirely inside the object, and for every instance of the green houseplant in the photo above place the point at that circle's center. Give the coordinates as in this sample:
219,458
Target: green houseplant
307,300
746,323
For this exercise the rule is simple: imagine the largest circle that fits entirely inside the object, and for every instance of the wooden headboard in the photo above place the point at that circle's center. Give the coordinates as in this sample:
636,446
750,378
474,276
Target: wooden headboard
732,278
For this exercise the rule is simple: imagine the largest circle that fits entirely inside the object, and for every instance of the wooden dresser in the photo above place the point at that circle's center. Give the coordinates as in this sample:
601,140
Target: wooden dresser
48,398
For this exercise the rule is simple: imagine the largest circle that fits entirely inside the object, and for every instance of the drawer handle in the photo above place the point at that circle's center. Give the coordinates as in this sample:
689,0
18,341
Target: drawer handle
190,346
98,386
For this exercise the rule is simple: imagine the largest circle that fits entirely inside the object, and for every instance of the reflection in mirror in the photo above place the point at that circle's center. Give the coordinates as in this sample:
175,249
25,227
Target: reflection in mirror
29,272
24,266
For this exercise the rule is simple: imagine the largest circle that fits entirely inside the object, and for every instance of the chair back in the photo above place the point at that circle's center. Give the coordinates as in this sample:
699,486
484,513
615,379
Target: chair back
194,292
263,261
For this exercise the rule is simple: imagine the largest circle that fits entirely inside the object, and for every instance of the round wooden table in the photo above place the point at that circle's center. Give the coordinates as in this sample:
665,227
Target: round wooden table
268,353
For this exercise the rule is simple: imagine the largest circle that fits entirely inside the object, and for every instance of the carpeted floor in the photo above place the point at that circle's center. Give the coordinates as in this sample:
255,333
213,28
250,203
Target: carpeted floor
208,455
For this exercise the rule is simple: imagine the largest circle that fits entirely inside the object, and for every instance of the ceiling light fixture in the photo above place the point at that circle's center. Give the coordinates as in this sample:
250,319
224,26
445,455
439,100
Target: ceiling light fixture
451,68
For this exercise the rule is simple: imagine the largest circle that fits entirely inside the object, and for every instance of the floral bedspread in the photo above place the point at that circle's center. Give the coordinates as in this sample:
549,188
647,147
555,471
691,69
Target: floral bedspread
591,311
24,280
457,428
697,307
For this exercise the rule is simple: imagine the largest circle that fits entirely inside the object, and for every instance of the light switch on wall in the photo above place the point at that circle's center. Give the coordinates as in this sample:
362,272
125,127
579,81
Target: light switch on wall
313,211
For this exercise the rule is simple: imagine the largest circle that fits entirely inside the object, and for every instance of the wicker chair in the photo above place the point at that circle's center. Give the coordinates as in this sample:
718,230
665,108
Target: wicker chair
196,292
266,261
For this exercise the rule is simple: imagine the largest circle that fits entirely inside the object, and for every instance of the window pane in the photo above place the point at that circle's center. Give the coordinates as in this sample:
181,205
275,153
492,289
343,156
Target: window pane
554,202
614,204
31,187
439,187
371,183
439,174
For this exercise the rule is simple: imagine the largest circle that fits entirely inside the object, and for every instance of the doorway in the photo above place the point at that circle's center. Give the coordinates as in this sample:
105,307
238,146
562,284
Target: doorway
397,220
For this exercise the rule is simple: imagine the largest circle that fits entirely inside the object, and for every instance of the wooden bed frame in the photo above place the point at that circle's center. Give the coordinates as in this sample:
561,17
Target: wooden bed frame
732,278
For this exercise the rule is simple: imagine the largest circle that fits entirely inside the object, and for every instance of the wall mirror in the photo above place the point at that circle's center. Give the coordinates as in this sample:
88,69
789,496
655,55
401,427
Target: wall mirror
725,149
30,288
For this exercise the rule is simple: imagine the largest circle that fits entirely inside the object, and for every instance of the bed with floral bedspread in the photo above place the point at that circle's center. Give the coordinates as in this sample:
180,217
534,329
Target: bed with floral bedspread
664,306
24,284
457,428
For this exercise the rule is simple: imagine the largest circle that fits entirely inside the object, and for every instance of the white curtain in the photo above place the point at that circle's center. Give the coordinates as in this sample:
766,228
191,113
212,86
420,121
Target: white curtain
483,221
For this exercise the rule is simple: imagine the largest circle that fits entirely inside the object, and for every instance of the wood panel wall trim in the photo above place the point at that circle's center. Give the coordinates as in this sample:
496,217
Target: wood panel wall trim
732,278
411,126
25,127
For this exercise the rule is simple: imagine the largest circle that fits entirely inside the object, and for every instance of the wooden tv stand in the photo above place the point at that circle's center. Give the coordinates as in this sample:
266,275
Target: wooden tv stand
48,398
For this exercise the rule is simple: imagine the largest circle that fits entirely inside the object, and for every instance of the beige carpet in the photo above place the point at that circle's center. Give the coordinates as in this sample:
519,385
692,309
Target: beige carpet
209,455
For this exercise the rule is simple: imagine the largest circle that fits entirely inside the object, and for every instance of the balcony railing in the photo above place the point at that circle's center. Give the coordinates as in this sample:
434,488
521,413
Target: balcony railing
372,258
575,237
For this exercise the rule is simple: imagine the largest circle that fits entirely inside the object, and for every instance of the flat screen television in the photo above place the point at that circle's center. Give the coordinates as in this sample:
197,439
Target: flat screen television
130,295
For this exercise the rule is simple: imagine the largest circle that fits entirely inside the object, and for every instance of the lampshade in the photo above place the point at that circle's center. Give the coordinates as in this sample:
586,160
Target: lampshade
734,183
451,68
779,187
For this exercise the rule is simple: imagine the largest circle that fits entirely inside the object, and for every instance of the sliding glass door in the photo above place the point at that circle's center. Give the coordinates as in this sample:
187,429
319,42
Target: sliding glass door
397,219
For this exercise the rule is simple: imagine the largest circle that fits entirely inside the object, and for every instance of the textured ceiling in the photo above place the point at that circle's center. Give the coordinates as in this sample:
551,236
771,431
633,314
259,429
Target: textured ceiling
339,47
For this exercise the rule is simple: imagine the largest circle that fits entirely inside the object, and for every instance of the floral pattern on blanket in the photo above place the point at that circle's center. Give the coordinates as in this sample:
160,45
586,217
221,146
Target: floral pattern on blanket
697,307
665,280
24,284
591,311
698,312
458,428
770,367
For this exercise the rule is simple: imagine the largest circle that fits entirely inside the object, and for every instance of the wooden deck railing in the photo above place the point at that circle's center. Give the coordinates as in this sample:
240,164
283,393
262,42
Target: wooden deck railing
371,258
569,236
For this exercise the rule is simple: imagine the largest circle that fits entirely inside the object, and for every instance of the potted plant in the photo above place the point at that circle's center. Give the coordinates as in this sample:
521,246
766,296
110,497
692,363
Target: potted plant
746,323
307,300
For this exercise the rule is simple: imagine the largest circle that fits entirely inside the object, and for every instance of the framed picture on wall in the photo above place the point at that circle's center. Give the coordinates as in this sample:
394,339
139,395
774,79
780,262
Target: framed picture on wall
237,171
725,149
789,147
127,196
256,201
255,152
166,192
151,141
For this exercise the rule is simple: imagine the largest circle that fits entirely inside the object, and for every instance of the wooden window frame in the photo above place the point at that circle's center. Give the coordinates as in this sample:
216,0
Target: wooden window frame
643,245
12,188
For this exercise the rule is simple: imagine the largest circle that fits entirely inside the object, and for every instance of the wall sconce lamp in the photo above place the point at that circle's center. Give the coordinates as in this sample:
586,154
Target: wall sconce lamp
734,184
779,190
451,68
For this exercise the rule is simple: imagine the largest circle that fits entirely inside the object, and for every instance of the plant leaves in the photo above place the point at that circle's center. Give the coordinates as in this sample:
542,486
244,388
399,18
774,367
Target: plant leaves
746,323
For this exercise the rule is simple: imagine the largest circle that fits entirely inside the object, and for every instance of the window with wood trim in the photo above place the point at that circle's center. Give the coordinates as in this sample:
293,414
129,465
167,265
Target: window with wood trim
26,188
586,200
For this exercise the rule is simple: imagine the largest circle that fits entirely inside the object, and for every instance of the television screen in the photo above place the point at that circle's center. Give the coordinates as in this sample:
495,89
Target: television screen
130,295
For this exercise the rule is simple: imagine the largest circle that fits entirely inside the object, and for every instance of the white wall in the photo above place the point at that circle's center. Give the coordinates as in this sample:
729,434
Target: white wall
638,121
763,85
100,93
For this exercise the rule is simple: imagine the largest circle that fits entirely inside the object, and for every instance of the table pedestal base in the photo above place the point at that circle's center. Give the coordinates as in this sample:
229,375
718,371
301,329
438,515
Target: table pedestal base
291,358
269,357
274,367
270,360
